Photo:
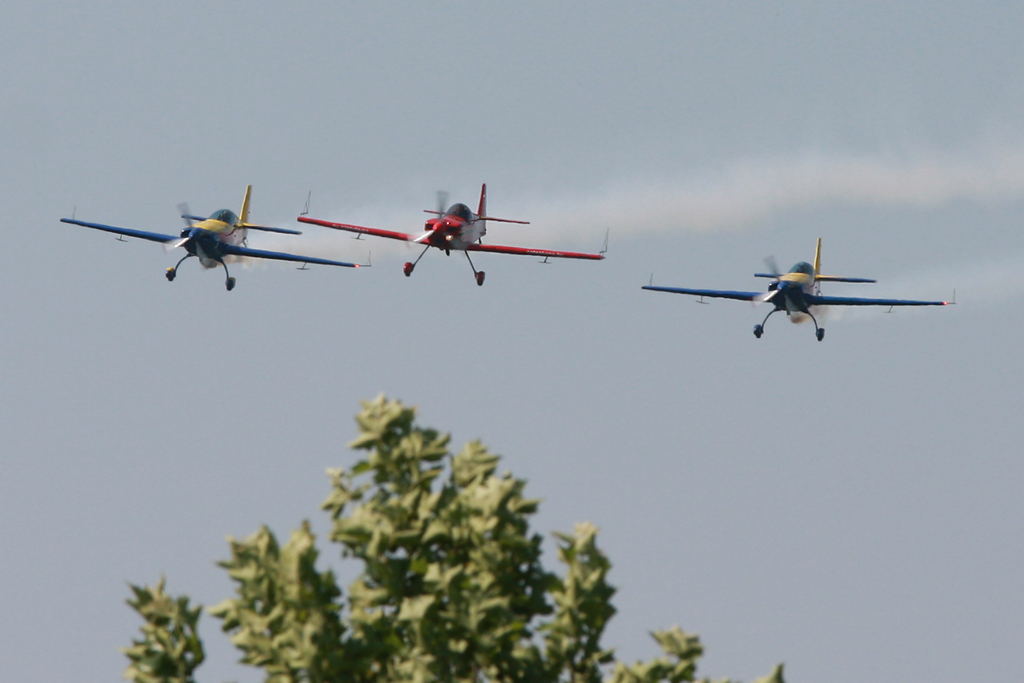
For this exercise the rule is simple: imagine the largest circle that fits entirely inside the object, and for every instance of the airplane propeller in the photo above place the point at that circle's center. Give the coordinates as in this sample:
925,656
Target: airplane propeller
185,213
181,241
773,271
442,204
178,242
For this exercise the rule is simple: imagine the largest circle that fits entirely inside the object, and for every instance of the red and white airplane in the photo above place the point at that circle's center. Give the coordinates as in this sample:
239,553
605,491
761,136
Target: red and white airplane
456,228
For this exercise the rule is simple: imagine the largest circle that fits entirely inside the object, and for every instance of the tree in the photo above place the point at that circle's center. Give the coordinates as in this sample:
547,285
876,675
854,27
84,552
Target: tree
452,588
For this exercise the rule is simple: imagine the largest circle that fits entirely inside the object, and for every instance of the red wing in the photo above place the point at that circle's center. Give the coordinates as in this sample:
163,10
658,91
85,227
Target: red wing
390,234
525,251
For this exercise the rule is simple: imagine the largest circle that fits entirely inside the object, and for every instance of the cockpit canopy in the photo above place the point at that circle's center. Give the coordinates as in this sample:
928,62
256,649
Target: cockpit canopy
803,268
460,211
224,216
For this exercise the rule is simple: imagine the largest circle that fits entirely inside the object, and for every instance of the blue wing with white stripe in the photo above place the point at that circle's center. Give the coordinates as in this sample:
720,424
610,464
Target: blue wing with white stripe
127,232
858,301
281,256
710,293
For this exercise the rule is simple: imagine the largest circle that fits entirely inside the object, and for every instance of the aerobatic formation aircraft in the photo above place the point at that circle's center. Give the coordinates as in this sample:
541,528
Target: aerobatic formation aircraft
797,292
456,228
213,239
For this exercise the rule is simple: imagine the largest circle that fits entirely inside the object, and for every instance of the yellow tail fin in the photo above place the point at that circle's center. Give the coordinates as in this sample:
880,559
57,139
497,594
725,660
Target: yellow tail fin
817,260
243,215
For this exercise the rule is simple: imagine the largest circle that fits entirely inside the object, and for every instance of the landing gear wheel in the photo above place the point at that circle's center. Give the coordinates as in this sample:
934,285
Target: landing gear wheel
820,334
480,278
231,283
170,274
407,269
758,331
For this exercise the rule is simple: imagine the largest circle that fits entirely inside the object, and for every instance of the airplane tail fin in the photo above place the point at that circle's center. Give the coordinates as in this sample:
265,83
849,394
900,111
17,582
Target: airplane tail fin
243,218
818,277
243,215
482,210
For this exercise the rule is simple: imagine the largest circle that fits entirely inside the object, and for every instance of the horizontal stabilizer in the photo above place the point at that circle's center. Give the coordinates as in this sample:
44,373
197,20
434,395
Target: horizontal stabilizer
836,278
502,220
265,228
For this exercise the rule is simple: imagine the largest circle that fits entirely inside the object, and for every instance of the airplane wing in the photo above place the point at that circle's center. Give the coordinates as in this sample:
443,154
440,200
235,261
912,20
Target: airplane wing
857,301
281,256
390,234
710,293
128,232
525,251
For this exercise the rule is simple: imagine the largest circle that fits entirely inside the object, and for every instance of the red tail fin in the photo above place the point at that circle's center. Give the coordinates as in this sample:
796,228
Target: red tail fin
482,211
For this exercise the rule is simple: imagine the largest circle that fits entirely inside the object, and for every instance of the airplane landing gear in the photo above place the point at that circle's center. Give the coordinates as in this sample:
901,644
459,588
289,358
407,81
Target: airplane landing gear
479,274
759,329
819,331
173,272
408,267
230,281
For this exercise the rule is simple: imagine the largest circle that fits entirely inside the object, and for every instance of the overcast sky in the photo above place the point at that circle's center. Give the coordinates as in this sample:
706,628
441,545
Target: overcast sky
851,507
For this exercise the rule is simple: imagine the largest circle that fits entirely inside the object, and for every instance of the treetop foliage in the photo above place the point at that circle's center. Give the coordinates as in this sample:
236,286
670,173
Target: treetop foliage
452,588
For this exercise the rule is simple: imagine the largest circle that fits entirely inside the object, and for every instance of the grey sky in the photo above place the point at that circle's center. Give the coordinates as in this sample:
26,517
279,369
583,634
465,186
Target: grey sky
850,507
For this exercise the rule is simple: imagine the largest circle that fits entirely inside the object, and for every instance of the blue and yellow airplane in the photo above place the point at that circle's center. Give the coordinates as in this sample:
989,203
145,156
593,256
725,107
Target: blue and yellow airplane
214,239
797,292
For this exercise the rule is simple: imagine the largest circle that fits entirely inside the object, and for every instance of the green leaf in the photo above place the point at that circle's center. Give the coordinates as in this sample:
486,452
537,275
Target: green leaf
449,584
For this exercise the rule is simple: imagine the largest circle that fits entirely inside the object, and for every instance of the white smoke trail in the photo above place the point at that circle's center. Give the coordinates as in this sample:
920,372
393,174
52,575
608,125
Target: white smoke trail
740,196
752,190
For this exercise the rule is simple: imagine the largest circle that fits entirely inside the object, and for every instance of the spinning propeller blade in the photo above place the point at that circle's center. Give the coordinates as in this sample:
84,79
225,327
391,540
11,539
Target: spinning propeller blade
442,202
773,267
181,241
184,213
175,243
